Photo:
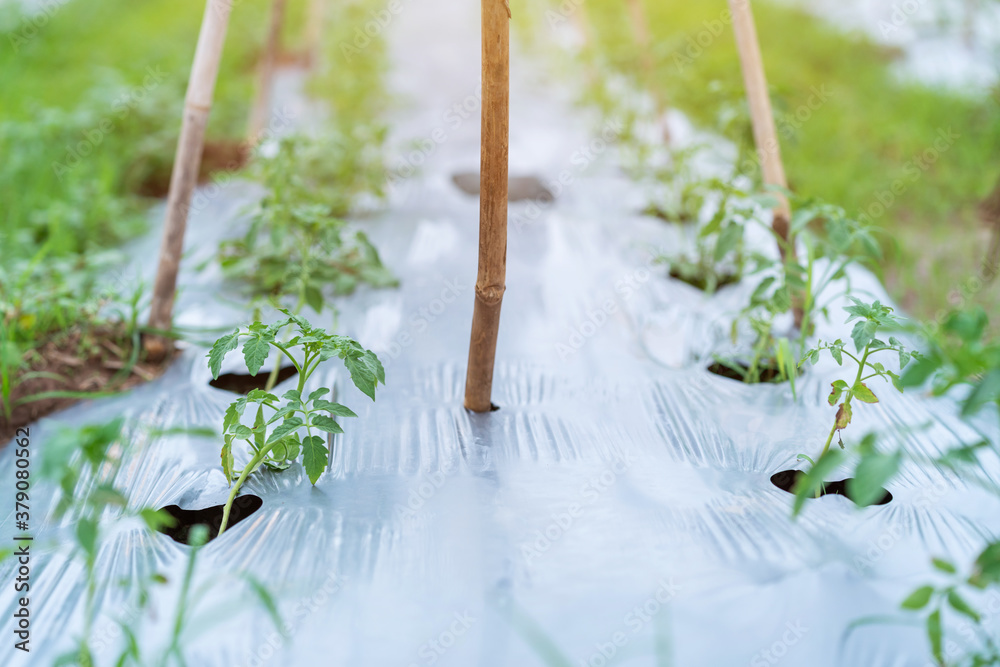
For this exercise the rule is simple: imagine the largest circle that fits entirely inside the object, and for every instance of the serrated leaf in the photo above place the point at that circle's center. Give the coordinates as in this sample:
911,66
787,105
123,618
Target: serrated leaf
863,333
918,599
255,352
335,409
324,423
261,396
839,386
290,425
292,395
242,432
838,355
314,457
220,349
864,394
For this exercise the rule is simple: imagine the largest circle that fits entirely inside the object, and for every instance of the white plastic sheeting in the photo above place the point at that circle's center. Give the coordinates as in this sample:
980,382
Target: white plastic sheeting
620,495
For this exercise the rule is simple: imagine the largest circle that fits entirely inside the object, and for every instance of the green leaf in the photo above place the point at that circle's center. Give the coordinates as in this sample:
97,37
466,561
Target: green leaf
987,390
959,604
324,423
988,564
290,425
864,394
863,333
255,352
810,483
729,238
86,535
219,350
918,599
335,409
156,519
314,298
943,566
267,601
917,372
838,389
242,432
314,457
366,372
259,428
322,391
934,635
873,472
837,353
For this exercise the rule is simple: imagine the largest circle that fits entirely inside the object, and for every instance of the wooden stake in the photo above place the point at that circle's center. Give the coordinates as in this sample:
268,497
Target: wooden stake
197,104
764,132
261,110
490,282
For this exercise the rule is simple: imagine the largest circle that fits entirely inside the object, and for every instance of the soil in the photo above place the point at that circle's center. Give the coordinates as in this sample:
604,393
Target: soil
701,283
185,520
244,383
519,188
785,480
768,373
88,363
218,156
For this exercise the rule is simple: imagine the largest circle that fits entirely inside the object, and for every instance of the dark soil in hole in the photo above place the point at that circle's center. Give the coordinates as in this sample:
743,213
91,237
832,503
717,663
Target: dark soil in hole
185,520
219,155
769,373
701,282
785,480
92,362
519,188
244,383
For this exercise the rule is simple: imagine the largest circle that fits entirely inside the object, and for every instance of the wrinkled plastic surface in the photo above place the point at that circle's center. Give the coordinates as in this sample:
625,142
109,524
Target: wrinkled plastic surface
619,498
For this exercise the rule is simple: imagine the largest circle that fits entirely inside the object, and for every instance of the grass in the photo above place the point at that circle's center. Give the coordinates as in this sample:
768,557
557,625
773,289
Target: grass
866,128
100,87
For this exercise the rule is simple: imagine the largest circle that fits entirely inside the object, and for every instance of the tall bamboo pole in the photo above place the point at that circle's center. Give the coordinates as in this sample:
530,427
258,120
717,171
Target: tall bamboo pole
197,104
490,282
260,112
765,133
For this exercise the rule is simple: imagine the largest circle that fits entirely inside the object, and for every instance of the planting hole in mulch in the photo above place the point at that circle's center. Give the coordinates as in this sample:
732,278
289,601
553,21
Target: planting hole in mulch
69,367
519,188
244,383
769,372
185,520
153,180
785,480
700,281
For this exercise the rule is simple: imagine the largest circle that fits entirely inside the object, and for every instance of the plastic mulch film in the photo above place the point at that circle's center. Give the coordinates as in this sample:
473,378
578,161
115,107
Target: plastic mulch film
618,501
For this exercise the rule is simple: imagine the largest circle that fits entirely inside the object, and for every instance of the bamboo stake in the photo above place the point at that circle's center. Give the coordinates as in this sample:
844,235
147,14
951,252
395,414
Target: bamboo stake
261,110
197,104
640,29
490,282
765,133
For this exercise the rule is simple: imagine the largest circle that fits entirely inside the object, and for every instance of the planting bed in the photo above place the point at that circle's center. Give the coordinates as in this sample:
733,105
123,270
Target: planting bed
623,506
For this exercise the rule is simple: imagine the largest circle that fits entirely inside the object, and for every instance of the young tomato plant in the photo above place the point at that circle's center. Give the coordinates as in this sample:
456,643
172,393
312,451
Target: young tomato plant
287,427
870,319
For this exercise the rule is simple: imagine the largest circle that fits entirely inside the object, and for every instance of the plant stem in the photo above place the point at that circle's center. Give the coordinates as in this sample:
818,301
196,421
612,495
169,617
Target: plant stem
850,393
250,467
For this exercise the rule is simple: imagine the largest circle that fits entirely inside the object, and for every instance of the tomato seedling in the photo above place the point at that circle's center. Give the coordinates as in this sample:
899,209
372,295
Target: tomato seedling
276,439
